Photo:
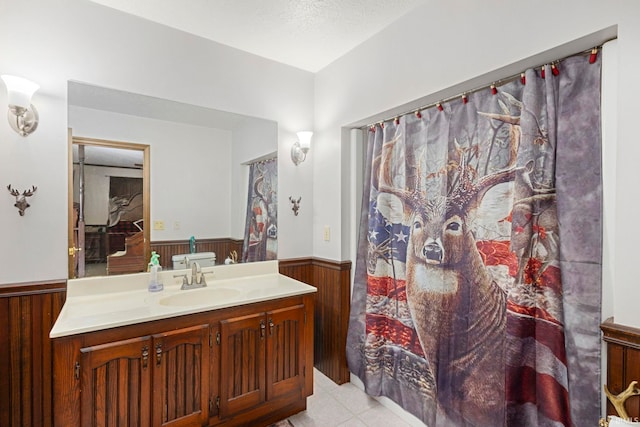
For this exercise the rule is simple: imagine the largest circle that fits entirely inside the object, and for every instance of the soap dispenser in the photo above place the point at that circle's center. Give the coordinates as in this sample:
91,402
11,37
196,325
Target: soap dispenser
192,245
155,284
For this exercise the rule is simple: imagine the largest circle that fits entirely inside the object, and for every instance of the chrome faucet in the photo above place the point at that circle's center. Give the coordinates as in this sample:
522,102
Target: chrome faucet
197,278
196,273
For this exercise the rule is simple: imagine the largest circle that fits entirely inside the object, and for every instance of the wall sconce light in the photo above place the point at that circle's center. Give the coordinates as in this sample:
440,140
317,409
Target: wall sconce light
301,147
23,117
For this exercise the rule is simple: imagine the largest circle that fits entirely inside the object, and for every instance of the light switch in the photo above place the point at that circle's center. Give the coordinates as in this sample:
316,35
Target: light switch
327,233
176,225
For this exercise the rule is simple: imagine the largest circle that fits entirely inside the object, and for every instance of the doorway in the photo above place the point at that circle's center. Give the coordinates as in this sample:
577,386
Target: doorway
109,208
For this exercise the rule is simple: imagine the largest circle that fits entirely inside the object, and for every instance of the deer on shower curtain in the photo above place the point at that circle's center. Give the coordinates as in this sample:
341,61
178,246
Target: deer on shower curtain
478,273
261,225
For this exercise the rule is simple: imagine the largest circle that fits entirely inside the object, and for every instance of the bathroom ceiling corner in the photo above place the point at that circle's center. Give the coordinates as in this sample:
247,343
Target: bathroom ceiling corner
307,34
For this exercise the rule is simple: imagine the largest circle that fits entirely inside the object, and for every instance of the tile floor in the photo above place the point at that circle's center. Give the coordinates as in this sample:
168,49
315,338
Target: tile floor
346,405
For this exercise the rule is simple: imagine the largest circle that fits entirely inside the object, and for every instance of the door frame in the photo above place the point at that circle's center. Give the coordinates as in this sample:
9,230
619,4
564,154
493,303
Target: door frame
146,190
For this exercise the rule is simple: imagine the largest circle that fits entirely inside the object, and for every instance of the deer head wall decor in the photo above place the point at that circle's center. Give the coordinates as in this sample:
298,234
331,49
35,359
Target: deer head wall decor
295,204
21,199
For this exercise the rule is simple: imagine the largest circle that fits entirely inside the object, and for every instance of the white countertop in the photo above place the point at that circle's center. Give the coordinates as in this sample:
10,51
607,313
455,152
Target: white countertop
98,303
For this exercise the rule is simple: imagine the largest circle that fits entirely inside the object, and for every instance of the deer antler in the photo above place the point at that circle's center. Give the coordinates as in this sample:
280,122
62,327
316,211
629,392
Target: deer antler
381,164
512,120
14,193
412,196
488,181
467,194
29,193
619,399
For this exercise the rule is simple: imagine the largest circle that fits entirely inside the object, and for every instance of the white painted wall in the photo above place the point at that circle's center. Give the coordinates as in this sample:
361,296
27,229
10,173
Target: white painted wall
54,42
442,45
190,169
610,72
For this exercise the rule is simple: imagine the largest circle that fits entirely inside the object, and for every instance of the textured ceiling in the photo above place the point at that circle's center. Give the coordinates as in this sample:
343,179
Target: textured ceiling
308,34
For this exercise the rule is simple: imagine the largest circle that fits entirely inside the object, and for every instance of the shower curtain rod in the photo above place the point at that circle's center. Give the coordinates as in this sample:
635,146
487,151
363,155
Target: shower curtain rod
496,83
262,159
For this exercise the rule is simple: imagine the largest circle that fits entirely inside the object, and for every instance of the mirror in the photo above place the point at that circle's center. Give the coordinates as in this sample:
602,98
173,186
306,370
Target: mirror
200,165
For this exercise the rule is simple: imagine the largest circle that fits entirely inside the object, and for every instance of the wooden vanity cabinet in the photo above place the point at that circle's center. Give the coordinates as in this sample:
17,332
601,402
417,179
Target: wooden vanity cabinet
245,365
158,380
181,377
116,383
285,368
242,361
263,356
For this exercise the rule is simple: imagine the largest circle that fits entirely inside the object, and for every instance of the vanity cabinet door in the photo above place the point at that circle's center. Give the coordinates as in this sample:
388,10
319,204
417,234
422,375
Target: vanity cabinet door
180,362
242,363
116,383
285,351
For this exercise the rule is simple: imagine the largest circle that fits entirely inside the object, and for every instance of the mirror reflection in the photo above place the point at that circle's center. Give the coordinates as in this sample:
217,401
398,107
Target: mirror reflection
198,172
110,208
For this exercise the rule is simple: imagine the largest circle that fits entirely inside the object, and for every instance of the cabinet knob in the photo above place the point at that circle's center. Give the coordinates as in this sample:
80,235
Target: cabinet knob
145,356
262,328
270,326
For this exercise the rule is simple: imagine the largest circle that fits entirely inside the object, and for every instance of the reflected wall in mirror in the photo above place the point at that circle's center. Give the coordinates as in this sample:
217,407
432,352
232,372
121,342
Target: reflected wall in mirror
110,209
201,156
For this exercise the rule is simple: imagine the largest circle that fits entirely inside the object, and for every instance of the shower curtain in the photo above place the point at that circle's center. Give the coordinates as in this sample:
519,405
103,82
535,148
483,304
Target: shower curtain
261,225
476,297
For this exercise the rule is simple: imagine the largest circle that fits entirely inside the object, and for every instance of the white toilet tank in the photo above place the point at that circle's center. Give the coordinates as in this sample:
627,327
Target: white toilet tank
204,259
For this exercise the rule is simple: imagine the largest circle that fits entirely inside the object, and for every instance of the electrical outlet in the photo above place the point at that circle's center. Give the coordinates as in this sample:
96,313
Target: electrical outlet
158,225
176,225
327,233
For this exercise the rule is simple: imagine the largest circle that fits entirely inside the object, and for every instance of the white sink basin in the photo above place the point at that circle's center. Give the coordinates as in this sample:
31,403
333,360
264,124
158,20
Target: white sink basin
203,296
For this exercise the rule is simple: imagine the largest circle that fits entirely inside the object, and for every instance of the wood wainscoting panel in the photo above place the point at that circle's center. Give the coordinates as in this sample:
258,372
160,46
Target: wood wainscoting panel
332,306
333,303
221,247
298,268
623,362
27,314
